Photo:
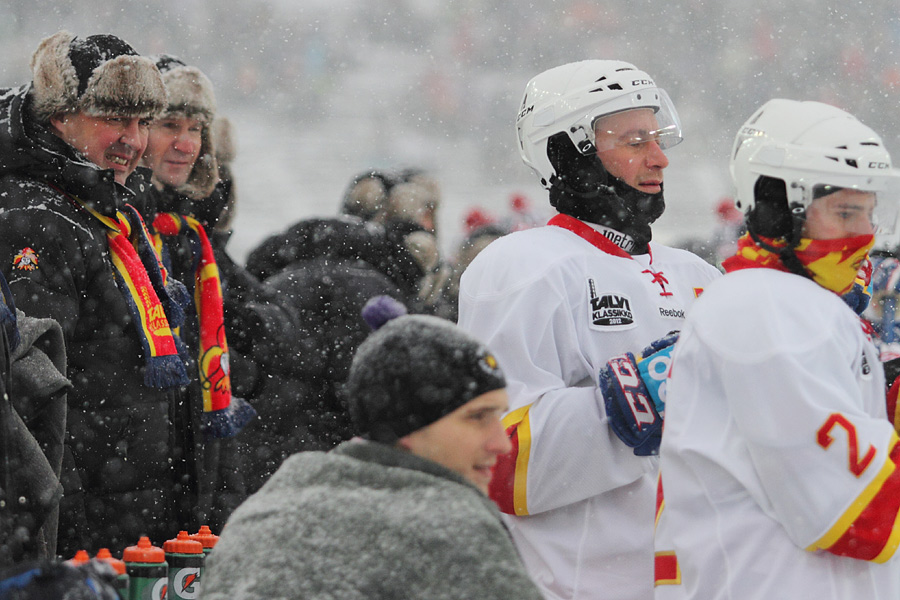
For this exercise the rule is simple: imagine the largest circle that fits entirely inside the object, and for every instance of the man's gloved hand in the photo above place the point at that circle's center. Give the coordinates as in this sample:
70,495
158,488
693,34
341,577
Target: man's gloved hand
634,393
860,294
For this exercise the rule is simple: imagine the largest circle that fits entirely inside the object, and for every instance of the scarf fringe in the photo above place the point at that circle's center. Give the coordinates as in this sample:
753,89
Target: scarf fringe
229,421
164,372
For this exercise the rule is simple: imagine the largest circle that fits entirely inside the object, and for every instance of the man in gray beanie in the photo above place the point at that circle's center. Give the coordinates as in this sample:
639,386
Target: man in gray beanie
400,514
73,248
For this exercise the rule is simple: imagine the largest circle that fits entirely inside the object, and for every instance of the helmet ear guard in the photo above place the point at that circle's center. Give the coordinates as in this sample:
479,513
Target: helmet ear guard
581,174
770,216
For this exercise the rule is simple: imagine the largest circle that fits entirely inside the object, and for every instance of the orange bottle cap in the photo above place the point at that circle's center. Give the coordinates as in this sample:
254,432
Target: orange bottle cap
105,555
144,552
206,537
183,544
80,557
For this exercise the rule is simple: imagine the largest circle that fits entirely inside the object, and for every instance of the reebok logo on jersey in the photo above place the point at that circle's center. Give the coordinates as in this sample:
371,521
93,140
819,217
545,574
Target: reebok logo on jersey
609,310
671,313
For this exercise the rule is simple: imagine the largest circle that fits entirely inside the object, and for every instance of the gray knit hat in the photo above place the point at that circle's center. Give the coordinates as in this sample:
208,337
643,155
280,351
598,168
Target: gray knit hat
414,370
100,75
191,96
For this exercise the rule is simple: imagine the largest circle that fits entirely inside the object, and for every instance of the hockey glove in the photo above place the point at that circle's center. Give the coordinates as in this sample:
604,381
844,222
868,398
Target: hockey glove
860,294
634,393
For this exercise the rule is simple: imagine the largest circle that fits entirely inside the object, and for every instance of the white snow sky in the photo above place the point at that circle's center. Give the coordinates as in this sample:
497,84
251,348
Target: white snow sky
319,90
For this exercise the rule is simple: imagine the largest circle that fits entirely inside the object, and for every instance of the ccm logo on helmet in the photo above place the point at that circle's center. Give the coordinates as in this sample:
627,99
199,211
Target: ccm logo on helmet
879,165
525,111
642,82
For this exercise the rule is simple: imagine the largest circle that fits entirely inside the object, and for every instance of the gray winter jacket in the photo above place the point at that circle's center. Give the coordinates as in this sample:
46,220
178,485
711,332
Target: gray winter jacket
365,521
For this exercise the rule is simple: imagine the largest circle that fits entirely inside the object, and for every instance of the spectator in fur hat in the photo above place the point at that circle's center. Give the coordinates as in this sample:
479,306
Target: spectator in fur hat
410,215
182,154
181,151
73,248
97,94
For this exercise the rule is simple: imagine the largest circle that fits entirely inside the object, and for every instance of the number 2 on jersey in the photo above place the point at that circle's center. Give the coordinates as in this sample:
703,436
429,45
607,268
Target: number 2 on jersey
856,466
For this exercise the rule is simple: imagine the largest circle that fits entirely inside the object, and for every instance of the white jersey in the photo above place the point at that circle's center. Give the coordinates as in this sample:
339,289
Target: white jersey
554,308
776,461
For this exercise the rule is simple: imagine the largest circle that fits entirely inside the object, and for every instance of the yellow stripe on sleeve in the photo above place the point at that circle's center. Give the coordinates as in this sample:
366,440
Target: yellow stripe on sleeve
521,418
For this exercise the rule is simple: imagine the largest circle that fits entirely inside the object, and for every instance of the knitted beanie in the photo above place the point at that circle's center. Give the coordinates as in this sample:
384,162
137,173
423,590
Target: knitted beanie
414,370
191,96
100,75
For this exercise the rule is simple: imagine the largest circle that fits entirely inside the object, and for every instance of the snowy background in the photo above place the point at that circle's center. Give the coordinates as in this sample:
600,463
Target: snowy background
319,90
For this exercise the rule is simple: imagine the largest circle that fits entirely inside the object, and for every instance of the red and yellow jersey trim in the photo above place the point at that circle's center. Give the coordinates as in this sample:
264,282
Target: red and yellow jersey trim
660,500
870,527
665,569
509,484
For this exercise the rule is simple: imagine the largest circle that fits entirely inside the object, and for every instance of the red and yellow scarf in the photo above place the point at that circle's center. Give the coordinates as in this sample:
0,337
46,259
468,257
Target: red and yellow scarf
833,264
141,278
223,414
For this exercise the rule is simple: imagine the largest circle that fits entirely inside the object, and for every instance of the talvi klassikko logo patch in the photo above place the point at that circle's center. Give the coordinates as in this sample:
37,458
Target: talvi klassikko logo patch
608,309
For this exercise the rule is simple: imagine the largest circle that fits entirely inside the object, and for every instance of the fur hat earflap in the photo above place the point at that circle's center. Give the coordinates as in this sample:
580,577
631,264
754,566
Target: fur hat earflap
191,96
225,147
100,75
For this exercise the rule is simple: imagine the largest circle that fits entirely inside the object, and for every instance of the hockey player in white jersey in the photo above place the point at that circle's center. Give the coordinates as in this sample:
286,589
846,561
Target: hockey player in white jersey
558,302
778,466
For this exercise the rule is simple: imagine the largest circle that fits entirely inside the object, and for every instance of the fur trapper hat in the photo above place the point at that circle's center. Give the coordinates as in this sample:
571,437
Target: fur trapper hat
191,96
100,75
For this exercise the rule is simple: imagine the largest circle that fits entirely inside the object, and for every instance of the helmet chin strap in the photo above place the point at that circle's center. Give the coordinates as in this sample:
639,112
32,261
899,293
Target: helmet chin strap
584,189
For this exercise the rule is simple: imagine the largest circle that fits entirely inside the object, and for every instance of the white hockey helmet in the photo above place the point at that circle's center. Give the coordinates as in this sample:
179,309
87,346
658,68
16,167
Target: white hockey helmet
570,98
812,147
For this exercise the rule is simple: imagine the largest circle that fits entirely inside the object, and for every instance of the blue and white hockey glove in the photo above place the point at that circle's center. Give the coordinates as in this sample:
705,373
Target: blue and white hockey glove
859,295
634,393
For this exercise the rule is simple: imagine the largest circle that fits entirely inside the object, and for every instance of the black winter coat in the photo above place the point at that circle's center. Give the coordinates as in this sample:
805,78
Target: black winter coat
323,271
343,238
131,446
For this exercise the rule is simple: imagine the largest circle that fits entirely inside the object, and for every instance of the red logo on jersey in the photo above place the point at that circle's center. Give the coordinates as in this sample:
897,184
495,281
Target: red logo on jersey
660,279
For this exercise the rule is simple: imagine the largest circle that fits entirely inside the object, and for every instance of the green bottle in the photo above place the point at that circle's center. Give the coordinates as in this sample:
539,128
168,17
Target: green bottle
185,558
147,571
